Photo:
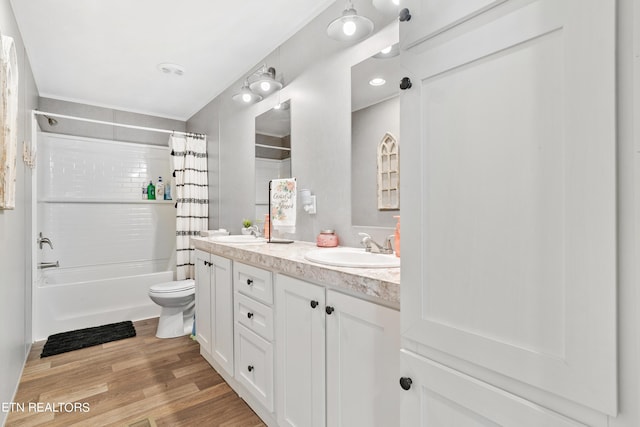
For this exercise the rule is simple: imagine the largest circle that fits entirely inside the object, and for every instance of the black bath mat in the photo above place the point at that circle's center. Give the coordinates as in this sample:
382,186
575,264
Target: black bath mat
81,338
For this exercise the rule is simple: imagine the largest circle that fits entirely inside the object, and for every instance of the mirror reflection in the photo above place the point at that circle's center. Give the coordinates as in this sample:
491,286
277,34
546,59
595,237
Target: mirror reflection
375,133
272,152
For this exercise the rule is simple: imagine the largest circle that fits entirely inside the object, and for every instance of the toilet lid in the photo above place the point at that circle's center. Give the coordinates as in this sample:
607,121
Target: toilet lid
179,285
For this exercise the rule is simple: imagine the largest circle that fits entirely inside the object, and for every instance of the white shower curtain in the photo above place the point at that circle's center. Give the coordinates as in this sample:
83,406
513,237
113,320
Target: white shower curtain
189,161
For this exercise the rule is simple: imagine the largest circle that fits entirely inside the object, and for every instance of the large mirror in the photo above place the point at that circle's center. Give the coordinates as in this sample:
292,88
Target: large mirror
272,151
375,140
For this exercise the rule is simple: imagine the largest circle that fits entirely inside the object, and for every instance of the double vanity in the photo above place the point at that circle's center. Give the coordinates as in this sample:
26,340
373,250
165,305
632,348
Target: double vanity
304,343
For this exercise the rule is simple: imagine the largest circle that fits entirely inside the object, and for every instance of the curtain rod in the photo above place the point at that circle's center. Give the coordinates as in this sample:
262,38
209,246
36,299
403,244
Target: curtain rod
102,122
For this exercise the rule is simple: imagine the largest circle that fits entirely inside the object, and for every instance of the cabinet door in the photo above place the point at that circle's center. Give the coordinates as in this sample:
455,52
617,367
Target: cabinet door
300,349
222,312
508,133
255,365
363,361
442,397
203,301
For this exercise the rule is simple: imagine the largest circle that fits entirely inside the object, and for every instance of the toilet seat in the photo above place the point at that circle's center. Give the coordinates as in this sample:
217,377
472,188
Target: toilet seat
172,287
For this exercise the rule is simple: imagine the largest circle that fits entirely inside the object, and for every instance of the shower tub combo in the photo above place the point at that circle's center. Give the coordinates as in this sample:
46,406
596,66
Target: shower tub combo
77,298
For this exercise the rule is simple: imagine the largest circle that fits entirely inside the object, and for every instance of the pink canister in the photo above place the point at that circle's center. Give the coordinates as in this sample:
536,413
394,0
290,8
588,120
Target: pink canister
327,239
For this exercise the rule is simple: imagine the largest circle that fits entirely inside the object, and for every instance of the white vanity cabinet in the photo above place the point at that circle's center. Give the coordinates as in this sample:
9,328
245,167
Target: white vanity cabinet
337,358
214,309
509,273
254,332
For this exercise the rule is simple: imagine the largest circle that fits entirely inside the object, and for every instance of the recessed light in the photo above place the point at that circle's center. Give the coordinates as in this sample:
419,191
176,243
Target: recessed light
378,81
169,68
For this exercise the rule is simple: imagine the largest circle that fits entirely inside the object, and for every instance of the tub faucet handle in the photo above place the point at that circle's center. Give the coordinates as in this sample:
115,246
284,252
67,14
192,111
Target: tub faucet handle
42,240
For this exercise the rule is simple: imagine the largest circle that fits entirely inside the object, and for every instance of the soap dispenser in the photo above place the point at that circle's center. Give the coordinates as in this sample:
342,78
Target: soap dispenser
396,243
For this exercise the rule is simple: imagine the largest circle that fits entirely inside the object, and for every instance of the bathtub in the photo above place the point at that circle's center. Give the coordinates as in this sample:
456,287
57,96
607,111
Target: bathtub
81,297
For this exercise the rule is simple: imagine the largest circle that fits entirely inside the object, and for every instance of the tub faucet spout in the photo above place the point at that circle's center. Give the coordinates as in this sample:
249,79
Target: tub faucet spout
49,264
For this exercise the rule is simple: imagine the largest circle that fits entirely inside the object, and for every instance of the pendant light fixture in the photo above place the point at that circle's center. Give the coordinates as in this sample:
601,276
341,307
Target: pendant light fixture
246,96
350,26
266,83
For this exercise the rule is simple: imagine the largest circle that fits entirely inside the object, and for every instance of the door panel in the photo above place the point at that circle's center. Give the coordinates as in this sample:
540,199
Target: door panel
300,344
513,123
363,343
442,397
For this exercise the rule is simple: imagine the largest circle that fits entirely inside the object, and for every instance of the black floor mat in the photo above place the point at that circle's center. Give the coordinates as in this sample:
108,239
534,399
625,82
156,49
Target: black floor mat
81,338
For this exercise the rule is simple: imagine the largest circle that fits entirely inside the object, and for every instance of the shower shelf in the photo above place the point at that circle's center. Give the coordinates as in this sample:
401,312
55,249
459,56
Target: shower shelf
107,201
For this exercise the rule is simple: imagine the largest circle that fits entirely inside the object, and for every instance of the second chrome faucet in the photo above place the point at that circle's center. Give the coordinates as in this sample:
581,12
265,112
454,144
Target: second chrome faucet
370,245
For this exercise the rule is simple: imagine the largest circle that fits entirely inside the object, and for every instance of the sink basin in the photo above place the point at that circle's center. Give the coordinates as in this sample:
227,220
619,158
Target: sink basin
246,239
352,257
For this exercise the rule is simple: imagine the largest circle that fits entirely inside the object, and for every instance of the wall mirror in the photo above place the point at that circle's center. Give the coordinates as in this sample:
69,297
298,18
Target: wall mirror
375,140
272,152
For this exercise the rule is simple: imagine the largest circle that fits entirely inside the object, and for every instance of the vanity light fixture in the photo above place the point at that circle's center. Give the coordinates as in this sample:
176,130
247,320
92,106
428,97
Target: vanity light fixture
266,83
260,83
387,6
246,96
350,26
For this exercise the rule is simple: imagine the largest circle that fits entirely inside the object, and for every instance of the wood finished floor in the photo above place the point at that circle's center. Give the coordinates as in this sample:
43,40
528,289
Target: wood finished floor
125,382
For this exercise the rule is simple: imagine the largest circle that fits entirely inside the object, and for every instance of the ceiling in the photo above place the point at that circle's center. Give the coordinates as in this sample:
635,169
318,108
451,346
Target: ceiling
106,53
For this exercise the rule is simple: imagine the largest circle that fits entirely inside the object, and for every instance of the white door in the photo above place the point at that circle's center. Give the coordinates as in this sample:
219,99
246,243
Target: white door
363,349
300,350
509,265
222,312
203,300
438,396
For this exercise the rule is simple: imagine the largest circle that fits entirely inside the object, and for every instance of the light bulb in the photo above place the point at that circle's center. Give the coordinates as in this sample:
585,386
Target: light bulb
378,81
265,86
396,2
349,28
386,50
246,97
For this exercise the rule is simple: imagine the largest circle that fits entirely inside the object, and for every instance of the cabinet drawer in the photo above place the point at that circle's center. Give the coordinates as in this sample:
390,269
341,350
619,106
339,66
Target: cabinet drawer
254,282
254,365
255,316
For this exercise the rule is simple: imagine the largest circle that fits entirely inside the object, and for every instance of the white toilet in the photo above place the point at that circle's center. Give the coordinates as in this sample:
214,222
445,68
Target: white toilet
177,300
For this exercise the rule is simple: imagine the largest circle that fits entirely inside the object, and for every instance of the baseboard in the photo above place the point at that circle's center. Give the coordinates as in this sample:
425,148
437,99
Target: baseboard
5,415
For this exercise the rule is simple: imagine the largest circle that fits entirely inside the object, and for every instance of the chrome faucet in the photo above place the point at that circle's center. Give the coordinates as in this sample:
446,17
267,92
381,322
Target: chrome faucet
43,240
254,230
370,245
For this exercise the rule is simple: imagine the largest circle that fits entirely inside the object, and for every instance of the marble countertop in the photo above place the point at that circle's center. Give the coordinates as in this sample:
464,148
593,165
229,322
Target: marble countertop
380,285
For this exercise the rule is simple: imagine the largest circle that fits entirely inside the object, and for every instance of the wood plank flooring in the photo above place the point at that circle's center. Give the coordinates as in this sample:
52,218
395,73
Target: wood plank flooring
140,381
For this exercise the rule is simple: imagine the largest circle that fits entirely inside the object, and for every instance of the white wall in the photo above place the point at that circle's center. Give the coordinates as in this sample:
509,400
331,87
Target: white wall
319,89
628,74
317,75
15,232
